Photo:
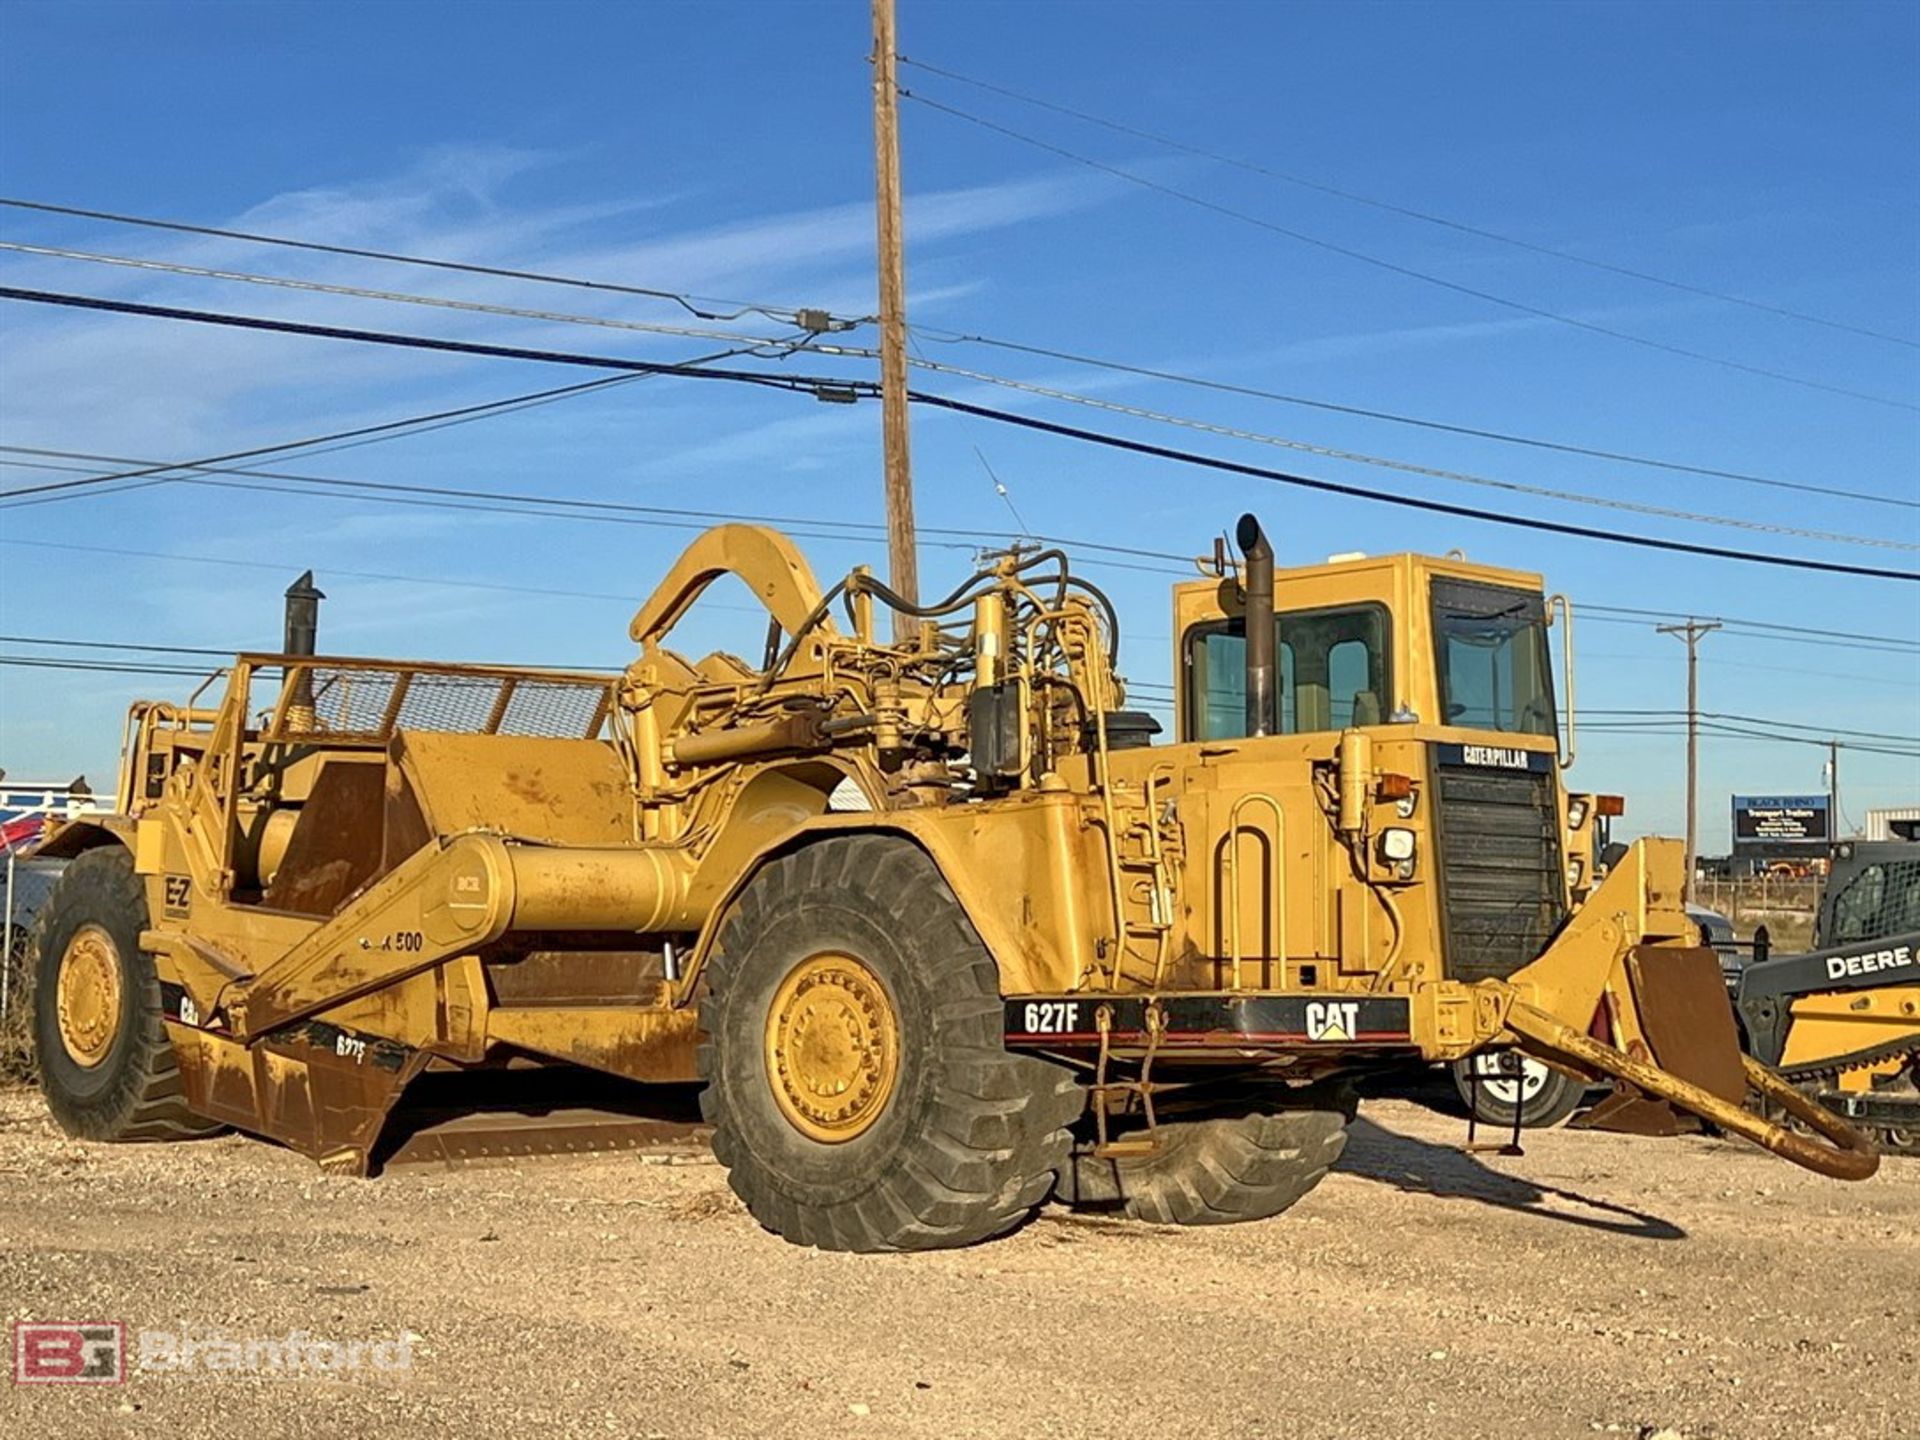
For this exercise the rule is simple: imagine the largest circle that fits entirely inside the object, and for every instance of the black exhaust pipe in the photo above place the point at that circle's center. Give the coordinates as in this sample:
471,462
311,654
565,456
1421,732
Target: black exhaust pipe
302,636
1262,672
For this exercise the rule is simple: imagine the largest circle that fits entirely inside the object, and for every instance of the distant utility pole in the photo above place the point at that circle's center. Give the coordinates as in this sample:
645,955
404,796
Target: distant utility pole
1692,632
1833,793
903,565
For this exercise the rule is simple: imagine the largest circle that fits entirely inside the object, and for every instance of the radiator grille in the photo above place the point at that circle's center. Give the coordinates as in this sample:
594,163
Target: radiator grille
1500,868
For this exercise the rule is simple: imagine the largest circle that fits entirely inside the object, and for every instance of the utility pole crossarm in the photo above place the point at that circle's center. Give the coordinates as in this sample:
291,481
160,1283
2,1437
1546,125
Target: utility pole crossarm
1692,632
903,568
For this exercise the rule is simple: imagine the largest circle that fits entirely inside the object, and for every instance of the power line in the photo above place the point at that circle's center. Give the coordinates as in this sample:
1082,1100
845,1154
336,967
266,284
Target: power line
683,331
1411,502
1405,210
686,302
697,367
588,508
398,297
1900,653
1330,452
1520,306
1645,721
1738,627
1721,730
284,566
1819,633
855,389
806,383
386,428
1225,387
816,321
1823,730
111,667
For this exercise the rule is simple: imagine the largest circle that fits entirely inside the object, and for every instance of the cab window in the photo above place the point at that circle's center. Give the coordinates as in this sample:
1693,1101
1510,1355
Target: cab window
1491,646
1333,672
1881,900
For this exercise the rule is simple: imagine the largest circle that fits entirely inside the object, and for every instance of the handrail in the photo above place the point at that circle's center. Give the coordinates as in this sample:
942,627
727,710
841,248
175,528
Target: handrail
1233,879
1565,607
1850,1156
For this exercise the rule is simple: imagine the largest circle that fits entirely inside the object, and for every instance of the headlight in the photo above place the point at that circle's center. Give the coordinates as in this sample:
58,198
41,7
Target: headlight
1576,871
1407,804
1577,812
1396,845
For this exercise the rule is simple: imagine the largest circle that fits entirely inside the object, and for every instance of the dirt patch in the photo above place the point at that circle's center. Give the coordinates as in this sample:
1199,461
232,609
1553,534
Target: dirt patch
1600,1285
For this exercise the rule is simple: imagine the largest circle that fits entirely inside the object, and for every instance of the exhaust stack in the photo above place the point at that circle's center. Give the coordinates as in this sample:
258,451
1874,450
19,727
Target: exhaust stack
1262,671
302,636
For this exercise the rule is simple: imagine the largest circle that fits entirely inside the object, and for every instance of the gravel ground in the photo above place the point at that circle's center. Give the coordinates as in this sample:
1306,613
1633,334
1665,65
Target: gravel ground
1600,1285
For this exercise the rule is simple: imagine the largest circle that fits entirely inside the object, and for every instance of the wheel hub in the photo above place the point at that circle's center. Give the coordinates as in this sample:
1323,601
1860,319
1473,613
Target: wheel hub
833,1048
87,996
1508,1076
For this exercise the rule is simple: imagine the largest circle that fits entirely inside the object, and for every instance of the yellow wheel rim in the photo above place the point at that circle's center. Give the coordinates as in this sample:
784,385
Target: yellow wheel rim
87,995
833,1048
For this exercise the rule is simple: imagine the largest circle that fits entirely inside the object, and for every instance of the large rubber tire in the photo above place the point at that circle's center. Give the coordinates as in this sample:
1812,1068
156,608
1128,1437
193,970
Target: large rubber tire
1546,1097
969,1140
1219,1169
134,1091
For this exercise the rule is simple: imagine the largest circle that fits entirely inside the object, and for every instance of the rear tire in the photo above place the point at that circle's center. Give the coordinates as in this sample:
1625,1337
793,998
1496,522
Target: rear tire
914,1129
1544,1096
106,1065
1221,1169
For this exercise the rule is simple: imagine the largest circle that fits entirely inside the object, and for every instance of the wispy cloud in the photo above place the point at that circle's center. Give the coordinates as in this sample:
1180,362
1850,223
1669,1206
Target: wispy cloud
154,386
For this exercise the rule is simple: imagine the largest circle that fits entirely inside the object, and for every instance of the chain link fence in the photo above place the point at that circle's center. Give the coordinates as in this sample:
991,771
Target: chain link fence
1785,905
25,884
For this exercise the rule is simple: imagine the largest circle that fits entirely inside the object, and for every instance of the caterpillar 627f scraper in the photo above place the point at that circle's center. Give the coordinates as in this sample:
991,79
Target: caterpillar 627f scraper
1043,955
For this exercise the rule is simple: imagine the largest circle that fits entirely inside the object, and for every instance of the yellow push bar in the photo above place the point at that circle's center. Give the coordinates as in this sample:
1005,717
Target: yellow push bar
1850,1156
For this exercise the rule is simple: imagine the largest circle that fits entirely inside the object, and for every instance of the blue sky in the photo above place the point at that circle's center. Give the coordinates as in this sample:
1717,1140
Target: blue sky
1772,151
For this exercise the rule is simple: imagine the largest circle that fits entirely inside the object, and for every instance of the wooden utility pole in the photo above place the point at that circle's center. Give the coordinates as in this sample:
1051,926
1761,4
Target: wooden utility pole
1833,794
1692,632
903,565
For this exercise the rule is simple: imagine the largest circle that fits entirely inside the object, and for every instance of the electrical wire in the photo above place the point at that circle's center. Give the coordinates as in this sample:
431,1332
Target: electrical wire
1051,393
1816,632
398,297
1226,387
1900,648
1181,565
1670,728
589,508
1410,502
1404,210
686,302
1759,720
1333,247
821,385
1329,452
295,566
814,320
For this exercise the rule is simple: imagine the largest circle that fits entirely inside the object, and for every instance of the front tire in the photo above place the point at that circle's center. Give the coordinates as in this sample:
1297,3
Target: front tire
1506,1080
859,1088
106,1065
